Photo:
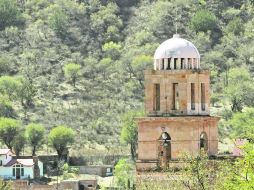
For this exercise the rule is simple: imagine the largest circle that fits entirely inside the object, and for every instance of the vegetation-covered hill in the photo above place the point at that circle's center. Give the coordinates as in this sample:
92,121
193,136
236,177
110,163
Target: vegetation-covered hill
80,63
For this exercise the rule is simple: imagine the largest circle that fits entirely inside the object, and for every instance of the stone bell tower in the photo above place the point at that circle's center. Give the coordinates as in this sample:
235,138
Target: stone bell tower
177,102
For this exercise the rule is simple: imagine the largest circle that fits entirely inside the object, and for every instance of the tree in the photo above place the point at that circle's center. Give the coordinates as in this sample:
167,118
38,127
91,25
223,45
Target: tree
71,71
240,90
18,88
9,86
138,65
58,20
240,175
203,21
124,173
129,133
35,136
200,173
26,92
5,64
112,50
60,137
19,142
235,26
9,13
6,108
9,129
242,124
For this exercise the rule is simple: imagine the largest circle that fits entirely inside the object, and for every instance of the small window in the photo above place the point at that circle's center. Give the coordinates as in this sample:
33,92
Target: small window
156,97
193,96
1,162
90,185
162,62
175,97
109,170
13,171
22,171
203,96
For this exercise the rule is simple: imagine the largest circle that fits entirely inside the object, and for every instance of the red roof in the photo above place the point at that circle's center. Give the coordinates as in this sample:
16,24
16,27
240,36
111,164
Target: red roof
4,151
24,162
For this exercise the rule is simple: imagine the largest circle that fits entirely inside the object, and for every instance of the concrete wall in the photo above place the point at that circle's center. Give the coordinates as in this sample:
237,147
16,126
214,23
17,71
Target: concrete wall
64,185
29,171
6,172
69,185
94,170
40,164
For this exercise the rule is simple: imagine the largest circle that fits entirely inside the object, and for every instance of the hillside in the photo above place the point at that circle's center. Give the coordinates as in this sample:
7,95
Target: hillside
113,42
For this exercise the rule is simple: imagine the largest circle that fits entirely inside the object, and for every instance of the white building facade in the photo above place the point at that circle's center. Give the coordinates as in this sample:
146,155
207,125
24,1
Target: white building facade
14,168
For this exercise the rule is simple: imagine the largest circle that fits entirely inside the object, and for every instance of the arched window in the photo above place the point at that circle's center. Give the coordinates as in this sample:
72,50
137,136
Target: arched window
203,141
165,136
164,149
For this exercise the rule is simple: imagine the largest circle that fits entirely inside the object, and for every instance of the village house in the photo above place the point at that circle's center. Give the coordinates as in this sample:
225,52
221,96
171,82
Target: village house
15,168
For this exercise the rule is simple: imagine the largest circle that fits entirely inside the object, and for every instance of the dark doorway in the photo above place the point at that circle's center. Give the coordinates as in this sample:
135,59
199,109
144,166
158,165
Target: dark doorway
203,142
17,173
81,187
164,150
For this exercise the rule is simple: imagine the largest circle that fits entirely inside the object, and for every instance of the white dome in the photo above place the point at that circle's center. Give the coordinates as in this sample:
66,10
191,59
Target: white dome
176,47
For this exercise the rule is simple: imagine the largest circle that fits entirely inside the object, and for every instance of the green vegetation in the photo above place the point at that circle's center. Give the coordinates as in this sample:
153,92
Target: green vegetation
9,129
201,173
61,137
80,64
204,21
5,185
242,124
71,71
129,133
9,13
35,136
124,172
240,175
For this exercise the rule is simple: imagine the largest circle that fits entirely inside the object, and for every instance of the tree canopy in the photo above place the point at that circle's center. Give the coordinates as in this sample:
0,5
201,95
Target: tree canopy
61,137
9,129
35,136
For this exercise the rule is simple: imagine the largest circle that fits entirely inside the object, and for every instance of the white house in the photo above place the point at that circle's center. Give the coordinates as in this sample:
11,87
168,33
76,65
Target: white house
15,168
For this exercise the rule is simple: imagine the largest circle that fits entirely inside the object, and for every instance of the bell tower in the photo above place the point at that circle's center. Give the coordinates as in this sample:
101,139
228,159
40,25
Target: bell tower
177,98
